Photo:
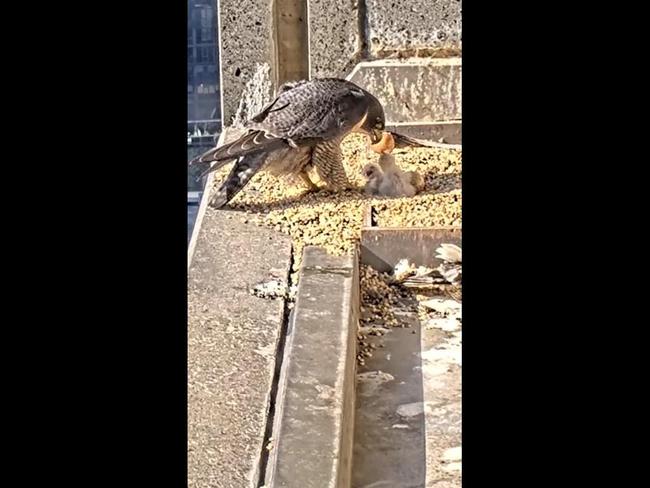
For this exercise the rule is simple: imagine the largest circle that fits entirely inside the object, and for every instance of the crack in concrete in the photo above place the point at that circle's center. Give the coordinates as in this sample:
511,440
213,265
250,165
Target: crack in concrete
285,329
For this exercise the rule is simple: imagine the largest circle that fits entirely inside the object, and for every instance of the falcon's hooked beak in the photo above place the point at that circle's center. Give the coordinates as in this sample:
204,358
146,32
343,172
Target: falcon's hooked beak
375,136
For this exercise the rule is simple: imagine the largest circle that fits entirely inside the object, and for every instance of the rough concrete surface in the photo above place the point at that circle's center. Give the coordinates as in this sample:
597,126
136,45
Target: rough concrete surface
414,90
441,377
245,47
232,340
313,429
413,24
450,132
415,27
408,411
334,38
257,92
389,444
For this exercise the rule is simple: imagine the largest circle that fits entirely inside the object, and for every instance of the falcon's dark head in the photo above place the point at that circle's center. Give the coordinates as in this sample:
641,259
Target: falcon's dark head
375,122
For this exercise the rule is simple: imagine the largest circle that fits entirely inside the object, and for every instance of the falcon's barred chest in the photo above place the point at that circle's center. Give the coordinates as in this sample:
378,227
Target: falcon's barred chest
328,161
325,157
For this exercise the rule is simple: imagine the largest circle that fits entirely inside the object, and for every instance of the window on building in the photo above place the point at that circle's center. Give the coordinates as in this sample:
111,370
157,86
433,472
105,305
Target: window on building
206,24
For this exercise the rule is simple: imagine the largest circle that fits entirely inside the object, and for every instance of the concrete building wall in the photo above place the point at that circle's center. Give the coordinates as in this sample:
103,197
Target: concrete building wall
344,32
335,40
246,49
341,34
414,27
414,90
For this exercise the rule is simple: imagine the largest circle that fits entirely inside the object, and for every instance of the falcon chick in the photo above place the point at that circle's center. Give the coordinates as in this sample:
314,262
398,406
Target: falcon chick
301,128
374,175
387,179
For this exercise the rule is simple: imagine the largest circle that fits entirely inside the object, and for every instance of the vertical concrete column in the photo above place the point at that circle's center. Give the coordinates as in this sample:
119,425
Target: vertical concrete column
291,40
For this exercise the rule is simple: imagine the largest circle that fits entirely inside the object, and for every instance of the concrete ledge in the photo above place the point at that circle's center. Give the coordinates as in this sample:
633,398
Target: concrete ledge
233,343
450,132
414,90
203,205
228,134
314,420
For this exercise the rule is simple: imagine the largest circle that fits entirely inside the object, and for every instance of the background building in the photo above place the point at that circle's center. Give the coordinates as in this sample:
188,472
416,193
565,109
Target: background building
203,91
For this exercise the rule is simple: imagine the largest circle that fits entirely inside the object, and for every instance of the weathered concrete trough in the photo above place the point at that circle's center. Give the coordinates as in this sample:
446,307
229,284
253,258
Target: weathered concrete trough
408,416
319,414
314,420
383,247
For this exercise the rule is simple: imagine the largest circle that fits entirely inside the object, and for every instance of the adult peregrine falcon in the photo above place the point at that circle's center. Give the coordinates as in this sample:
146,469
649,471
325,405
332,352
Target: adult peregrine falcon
301,128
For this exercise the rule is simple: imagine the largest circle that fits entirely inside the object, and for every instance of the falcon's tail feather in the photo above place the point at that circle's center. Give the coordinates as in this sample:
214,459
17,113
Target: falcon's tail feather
402,141
249,143
240,174
209,168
